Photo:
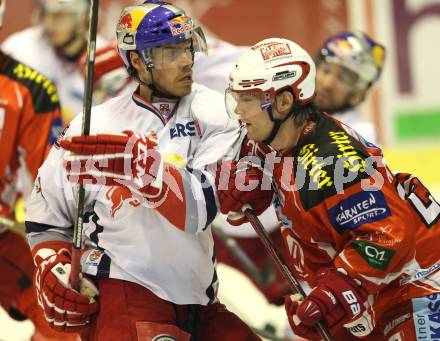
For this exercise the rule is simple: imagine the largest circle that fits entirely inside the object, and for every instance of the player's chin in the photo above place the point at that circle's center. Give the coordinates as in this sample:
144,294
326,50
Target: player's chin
183,90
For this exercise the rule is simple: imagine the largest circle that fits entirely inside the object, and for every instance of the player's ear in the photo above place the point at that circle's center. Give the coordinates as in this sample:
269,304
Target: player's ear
284,101
135,60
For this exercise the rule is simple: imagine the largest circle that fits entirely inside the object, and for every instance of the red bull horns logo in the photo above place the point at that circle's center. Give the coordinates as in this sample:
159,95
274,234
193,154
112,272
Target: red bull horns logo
125,22
117,195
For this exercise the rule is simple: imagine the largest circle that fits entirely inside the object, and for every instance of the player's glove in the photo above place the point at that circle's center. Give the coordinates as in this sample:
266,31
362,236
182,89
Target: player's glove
131,159
336,300
65,309
238,184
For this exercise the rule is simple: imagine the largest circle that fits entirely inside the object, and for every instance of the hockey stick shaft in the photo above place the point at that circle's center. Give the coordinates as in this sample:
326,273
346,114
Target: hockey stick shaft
13,226
87,106
239,255
270,249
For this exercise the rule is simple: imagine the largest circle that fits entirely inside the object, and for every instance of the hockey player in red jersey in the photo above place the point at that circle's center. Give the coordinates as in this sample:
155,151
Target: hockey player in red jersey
148,170
363,238
29,124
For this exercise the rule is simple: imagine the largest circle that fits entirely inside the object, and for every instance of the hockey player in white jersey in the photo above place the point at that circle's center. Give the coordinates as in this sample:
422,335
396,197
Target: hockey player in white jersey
211,70
147,223
54,47
348,65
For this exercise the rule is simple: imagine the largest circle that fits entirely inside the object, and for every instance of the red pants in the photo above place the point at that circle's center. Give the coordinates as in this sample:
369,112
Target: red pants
277,287
130,312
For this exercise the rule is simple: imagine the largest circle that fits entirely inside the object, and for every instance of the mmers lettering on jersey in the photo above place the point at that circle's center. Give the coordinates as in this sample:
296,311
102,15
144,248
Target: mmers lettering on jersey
22,71
183,130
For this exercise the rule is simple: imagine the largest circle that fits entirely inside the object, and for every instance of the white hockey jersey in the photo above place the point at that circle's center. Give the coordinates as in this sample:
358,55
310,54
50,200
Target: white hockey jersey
356,121
31,47
132,242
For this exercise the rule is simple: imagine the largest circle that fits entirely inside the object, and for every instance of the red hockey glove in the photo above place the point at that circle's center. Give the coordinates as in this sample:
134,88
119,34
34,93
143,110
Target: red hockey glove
131,160
336,300
238,184
64,308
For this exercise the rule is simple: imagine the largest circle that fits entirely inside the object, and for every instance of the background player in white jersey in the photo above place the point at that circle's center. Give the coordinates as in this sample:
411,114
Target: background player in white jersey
147,222
348,65
54,47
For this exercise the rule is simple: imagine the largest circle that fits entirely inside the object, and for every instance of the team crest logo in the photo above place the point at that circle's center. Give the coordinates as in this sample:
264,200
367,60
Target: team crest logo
94,255
164,109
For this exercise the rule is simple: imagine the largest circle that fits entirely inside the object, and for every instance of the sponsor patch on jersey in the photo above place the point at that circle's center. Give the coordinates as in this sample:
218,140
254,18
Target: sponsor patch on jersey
94,257
426,317
376,256
34,79
395,322
353,162
422,273
183,130
360,208
273,50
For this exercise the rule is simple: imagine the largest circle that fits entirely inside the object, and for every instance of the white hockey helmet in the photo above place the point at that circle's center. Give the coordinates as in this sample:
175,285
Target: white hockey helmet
71,6
269,66
272,65
357,52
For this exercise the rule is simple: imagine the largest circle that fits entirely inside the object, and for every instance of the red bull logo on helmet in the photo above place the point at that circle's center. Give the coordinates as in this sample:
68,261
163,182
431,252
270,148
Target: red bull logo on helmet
273,50
125,22
180,25
117,195
130,20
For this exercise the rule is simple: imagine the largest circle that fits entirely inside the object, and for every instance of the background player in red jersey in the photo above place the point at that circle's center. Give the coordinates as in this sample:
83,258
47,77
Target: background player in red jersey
29,124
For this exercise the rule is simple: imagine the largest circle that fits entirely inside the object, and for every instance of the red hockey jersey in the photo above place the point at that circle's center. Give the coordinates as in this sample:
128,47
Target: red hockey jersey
342,207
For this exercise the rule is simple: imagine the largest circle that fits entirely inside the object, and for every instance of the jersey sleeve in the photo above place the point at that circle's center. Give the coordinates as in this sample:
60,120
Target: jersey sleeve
193,205
51,208
37,132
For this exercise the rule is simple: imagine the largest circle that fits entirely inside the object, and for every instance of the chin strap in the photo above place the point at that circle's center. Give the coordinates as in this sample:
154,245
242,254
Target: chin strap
277,123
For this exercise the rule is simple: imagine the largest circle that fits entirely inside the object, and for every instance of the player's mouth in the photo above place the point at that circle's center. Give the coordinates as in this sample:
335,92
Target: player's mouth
186,79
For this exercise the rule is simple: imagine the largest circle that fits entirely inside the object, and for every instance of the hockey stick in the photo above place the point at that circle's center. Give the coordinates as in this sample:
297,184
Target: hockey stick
270,249
13,226
87,106
262,276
